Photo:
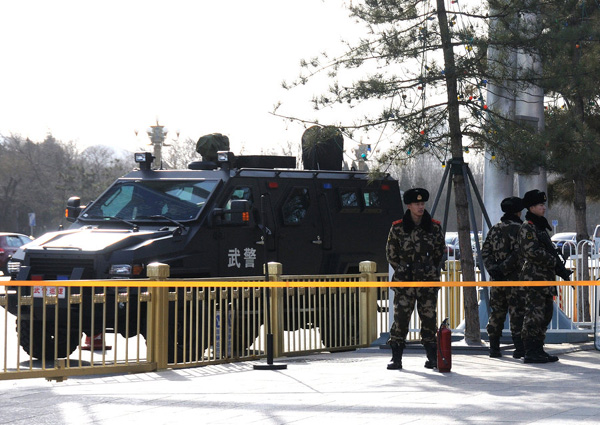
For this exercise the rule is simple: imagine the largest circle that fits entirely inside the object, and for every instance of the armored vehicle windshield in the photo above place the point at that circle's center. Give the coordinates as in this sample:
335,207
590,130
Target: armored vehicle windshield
179,200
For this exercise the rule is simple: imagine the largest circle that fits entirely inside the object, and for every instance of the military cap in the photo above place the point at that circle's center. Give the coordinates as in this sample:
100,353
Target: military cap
512,204
415,195
534,197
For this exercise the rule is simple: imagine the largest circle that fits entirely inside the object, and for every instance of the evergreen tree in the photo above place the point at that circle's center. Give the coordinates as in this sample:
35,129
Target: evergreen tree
418,78
565,39
420,75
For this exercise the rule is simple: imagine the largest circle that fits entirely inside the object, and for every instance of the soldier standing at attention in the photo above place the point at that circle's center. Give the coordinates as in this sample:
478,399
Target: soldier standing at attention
541,263
503,262
415,248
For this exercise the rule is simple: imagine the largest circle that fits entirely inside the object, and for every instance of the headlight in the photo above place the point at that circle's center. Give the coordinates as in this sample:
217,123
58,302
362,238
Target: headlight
224,156
120,270
144,159
13,267
126,270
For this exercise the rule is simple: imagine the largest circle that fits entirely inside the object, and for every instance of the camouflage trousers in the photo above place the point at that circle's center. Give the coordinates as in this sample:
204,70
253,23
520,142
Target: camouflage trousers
538,313
506,299
404,305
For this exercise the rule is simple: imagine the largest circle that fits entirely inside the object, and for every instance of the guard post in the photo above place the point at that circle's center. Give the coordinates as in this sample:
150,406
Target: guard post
276,313
158,316
368,303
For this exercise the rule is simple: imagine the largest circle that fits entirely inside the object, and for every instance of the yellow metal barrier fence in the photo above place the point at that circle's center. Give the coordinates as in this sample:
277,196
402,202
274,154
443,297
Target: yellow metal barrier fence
97,327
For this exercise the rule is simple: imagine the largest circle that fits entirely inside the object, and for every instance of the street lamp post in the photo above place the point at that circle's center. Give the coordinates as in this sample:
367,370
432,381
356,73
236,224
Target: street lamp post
157,134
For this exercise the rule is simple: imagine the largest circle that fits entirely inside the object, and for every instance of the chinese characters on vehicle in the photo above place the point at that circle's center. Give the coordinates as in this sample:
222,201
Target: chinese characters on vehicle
237,259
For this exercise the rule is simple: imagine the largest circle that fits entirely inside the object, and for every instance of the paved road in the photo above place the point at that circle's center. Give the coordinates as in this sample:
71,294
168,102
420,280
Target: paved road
349,388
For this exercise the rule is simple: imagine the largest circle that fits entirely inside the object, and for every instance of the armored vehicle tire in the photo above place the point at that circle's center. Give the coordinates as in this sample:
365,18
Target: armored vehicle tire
244,334
189,324
332,340
35,347
338,320
184,351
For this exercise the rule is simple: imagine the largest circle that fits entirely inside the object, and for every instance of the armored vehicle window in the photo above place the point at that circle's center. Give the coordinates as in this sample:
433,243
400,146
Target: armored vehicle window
372,199
139,200
240,193
348,199
115,201
295,206
237,194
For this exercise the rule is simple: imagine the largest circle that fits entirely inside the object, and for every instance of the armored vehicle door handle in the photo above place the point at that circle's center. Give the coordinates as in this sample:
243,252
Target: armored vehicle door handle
318,241
261,241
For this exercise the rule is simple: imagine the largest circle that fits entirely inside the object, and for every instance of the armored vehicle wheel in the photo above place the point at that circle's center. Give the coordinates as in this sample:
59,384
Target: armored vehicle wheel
188,328
338,321
34,346
244,334
332,339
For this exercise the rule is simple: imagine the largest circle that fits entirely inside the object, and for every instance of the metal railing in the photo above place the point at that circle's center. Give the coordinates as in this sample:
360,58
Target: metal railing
144,325
575,306
46,341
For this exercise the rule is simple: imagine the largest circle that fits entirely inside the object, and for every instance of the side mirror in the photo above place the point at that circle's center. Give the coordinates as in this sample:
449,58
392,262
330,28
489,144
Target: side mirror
74,208
238,213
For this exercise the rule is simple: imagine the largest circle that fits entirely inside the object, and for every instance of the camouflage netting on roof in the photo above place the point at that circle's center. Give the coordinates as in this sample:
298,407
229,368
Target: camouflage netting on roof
322,148
208,146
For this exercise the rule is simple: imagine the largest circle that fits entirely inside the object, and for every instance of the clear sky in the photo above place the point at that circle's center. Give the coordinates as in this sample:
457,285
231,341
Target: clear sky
94,72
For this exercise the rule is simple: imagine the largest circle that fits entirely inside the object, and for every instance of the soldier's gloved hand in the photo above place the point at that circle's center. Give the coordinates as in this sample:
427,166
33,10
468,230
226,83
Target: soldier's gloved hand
560,255
565,274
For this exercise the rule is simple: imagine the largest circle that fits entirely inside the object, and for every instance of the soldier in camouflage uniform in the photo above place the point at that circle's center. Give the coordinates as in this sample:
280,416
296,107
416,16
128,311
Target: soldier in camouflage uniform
541,263
503,262
415,248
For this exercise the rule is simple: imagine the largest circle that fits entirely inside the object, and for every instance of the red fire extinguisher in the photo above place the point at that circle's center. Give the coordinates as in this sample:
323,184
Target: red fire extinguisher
444,343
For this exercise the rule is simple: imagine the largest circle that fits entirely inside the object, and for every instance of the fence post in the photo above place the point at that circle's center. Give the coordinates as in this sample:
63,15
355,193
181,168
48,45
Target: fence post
368,303
454,311
158,316
275,271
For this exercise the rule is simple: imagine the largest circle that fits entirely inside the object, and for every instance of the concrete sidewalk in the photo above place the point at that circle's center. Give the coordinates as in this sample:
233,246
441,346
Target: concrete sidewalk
350,388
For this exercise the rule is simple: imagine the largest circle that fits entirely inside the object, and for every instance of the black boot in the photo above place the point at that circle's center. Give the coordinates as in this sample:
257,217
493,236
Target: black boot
495,347
550,357
397,350
519,347
534,352
431,350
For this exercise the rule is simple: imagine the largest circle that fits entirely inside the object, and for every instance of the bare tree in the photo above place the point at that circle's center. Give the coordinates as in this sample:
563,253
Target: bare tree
40,177
180,153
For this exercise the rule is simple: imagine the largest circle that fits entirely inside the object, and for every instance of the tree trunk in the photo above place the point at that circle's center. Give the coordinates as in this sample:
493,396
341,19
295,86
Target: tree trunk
472,329
467,263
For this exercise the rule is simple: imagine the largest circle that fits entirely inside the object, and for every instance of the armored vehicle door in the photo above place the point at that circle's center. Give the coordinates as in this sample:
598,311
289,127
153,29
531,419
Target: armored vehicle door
305,228
241,248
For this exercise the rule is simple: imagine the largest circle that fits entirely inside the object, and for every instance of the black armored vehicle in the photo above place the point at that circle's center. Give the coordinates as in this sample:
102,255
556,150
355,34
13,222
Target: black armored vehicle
218,218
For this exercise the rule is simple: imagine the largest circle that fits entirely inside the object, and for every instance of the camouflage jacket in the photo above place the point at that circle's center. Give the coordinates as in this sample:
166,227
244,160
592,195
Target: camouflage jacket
415,251
535,246
500,251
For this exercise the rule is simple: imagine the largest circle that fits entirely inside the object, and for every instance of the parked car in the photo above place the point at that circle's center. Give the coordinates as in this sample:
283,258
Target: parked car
596,238
566,242
452,247
9,243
